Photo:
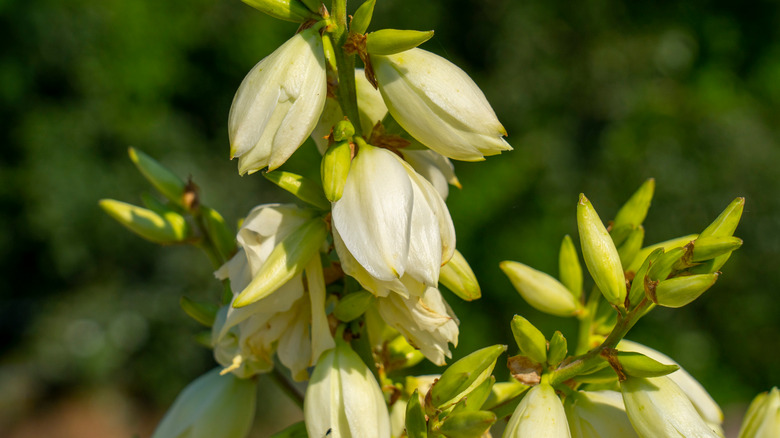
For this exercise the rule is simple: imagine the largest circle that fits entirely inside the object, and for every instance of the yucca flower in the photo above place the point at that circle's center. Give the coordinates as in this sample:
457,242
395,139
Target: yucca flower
278,104
439,105
596,414
762,419
539,414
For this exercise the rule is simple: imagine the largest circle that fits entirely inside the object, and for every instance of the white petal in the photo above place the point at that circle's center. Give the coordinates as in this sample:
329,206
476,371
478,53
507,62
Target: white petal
539,414
434,167
320,331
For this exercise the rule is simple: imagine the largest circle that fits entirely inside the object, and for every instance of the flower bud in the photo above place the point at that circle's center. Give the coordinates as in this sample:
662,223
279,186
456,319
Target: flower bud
362,17
434,167
220,234
657,407
539,414
288,10
558,349
212,405
476,397
458,277
631,246
439,105
666,245
287,260
665,263
278,104
636,364
334,169
569,268
762,419
166,228
465,375
540,290
466,424
502,395
710,247
529,339
601,256
416,425
597,414
680,291
303,188
353,305
726,223
203,312
633,212
165,181
637,292
392,41
343,398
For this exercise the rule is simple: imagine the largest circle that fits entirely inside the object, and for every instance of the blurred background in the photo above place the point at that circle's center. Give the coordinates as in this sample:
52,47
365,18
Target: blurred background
597,96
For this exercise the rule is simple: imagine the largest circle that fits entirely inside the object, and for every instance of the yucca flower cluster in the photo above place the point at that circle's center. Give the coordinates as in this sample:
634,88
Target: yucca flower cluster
365,253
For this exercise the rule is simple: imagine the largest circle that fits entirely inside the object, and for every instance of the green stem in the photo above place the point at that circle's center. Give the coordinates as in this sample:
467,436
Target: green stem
592,358
284,384
346,94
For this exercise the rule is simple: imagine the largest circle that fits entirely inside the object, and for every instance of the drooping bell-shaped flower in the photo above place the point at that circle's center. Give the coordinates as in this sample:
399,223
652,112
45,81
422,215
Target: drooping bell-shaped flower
595,414
278,104
439,105
658,408
390,224
426,321
289,321
539,414
212,405
343,399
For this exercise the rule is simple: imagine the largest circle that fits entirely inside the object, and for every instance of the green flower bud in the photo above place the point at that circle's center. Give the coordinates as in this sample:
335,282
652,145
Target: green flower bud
762,419
710,247
540,290
303,188
167,228
165,181
631,246
416,426
288,10
465,375
362,17
635,364
312,5
679,291
529,339
601,256
466,424
402,354
287,260
476,398
558,349
220,234
665,263
726,223
334,169
203,312
539,414
569,267
297,430
633,212
458,277
353,305
666,245
637,292
392,41
343,130
657,407
212,405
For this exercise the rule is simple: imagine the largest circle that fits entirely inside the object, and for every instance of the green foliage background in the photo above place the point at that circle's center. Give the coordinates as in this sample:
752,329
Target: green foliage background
597,96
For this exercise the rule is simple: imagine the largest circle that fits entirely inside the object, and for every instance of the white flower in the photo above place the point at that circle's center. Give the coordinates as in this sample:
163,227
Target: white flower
702,401
434,167
278,104
211,406
658,408
762,419
426,321
595,414
439,105
539,414
343,399
392,224
289,321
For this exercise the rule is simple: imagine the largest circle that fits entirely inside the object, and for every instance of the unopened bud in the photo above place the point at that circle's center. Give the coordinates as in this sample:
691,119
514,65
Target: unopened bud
667,245
631,246
539,414
166,228
288,10
465,375
334,169
637,292
601,256
303,188
679,291
219,232
762,419
288,259
631,363
353,305
558,349
476,397
569,268
165,181
710,247
726,223
416,426
504,397
457,276
202,312
466,424
529,339
540,290
633,212
362,17
343,130
392,41
664,264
